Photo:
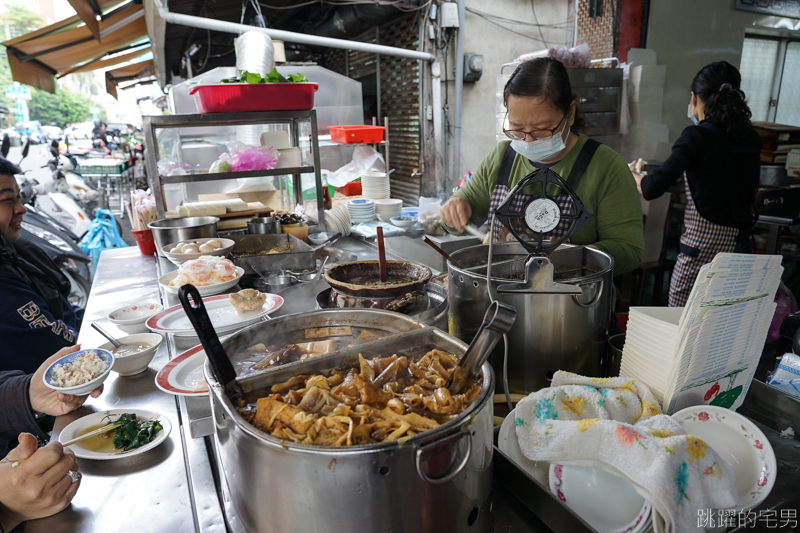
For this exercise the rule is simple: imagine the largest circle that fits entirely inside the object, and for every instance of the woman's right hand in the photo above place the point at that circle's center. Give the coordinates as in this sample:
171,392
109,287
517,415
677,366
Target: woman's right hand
455,213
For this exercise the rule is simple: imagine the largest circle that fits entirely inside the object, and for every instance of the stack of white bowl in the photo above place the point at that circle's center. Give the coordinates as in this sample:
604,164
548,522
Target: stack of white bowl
375,185
388,208
361,210
338,219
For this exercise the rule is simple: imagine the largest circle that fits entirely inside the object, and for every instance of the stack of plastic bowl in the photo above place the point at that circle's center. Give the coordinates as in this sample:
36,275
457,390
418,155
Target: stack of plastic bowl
388,208
361,210
338,219
375,185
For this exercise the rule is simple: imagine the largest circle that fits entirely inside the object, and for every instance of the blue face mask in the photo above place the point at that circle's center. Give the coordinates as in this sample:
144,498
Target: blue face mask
541,150
692,117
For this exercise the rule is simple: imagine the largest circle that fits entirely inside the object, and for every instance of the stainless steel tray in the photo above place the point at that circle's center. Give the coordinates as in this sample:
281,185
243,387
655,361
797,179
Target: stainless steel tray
300,257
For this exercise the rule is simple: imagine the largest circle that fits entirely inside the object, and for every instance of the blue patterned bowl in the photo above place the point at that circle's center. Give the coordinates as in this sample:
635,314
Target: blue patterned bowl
83,388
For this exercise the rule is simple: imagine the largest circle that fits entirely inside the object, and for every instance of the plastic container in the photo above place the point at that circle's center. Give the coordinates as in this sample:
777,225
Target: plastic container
298,230
356,134
242,97
352,189
145,241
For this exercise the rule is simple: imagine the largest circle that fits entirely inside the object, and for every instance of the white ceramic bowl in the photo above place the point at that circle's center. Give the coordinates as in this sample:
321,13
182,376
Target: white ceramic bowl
128,365
319,238
83,388
607,502
179,259
737,440
132,318
400,223
206,290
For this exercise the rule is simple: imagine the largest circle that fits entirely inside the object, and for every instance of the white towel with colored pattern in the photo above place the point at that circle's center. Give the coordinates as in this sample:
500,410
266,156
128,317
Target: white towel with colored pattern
615,425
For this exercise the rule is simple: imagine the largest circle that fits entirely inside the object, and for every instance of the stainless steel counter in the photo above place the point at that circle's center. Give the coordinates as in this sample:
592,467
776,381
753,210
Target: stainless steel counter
153,491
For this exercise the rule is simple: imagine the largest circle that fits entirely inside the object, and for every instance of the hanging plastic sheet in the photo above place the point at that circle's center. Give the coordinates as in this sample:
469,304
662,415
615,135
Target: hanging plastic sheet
101,235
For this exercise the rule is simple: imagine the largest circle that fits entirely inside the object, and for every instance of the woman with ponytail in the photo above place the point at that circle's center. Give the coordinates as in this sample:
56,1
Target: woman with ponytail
718,159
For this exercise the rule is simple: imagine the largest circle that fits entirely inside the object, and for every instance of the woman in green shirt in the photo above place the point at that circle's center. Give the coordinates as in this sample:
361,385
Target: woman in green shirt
542,119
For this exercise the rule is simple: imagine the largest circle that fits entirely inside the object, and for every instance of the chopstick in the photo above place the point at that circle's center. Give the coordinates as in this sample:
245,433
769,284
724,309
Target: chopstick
96,432
381,256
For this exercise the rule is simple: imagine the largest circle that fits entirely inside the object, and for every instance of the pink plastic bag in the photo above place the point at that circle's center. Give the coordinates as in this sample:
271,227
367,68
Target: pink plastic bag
786,306
245,157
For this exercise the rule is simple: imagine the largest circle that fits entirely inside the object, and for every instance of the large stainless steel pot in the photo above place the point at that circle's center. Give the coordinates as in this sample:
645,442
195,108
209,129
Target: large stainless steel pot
552,331
437,481
171,230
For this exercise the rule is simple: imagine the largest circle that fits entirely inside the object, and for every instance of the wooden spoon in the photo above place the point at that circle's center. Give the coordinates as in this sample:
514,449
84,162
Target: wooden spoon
381,256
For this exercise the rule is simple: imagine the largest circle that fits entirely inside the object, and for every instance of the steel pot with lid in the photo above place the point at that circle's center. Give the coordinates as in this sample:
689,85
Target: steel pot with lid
562,293
436,481
552,331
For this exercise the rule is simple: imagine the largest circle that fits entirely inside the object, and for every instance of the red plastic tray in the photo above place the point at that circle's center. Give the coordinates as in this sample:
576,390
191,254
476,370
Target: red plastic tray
356,134
238,97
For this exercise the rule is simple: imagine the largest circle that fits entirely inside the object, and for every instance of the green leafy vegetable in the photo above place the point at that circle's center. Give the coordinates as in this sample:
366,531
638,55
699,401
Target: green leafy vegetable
132,433
272,77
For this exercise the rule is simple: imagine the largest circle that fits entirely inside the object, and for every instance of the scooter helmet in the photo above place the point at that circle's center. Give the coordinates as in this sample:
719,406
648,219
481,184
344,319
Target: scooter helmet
26,191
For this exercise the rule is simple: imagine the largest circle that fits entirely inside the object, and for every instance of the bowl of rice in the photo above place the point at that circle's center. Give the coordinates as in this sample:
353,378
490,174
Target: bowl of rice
79,373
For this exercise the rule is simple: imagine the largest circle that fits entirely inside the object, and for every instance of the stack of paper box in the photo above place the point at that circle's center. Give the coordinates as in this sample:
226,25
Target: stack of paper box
708,351
646,105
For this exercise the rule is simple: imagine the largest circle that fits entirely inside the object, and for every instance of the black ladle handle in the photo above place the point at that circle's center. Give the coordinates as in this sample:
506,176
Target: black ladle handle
196,311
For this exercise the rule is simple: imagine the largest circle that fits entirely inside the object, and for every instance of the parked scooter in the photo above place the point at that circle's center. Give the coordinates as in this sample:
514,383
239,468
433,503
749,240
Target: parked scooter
59,206
56,241
67,181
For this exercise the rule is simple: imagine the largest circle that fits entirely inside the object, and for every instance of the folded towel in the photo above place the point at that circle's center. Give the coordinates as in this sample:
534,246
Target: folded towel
615,425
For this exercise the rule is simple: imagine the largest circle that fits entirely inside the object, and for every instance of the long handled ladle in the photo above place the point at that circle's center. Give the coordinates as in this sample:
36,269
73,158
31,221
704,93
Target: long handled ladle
103,332
444,254
497,322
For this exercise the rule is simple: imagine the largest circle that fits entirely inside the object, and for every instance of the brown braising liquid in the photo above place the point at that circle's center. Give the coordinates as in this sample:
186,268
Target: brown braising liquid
103,443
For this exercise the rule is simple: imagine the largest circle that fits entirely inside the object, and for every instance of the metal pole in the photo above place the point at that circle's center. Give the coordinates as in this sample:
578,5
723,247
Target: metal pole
290,37
459,59
378,74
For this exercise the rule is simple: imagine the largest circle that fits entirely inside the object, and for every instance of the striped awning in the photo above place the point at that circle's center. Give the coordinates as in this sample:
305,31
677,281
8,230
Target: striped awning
69,46
136,71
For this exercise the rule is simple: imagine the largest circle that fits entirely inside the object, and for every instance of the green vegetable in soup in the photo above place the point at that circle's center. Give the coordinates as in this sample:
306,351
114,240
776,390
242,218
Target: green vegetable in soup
132,433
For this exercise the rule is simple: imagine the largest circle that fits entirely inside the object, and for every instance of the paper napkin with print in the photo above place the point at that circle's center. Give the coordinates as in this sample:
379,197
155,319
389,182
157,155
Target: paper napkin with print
615,424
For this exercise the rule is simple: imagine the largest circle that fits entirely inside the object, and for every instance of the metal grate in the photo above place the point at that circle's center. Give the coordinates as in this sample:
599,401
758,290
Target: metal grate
789,101
598,32
400,102
759,59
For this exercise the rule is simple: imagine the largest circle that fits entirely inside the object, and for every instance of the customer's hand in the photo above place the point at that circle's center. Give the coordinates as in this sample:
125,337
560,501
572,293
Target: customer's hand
46,400
35,483
636,170
455,213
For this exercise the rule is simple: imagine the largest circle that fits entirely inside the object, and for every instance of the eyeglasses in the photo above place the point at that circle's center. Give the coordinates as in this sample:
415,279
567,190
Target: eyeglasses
539,135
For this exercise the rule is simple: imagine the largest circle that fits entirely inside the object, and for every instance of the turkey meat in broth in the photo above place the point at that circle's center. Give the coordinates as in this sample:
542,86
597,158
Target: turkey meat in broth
382,400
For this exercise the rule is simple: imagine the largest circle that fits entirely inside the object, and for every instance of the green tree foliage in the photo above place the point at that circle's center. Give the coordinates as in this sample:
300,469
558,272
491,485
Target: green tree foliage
62,107
21,20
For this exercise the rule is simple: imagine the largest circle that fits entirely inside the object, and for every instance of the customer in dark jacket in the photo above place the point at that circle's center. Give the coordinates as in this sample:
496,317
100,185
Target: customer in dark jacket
719,160
36,318
35,483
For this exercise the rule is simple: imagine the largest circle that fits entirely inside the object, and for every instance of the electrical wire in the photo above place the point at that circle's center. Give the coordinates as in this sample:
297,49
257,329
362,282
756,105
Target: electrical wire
504,20
536,20
397,4
490,20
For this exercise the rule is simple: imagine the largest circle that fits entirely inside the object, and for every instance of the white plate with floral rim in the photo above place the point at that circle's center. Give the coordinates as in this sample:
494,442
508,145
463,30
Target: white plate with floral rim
607,502
183,375
737,440
95,420
220,311
508,443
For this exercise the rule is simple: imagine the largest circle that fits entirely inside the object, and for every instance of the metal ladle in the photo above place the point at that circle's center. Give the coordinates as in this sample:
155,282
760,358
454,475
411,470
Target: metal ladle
497,322
103,332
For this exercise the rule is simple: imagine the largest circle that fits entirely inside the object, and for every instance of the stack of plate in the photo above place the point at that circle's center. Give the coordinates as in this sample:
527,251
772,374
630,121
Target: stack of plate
362,210
388,208
375,185
338,219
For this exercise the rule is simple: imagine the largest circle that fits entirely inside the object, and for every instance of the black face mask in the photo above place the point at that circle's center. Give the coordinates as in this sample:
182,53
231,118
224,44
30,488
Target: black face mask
39,282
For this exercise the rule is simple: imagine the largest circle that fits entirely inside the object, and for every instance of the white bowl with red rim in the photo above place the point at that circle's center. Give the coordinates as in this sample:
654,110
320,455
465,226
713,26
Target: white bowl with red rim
132,318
